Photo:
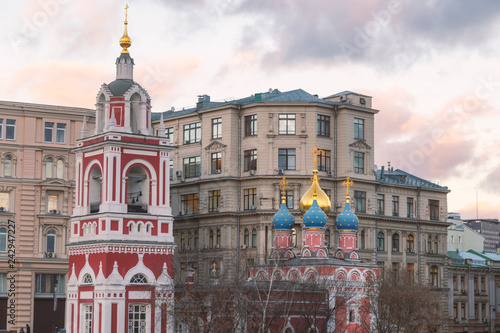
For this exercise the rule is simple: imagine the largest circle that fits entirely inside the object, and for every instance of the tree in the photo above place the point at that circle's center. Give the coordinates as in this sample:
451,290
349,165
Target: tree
398,302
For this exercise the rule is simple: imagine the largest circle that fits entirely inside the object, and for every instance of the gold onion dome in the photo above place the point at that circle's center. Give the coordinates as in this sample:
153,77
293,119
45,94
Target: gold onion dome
125,41
307,199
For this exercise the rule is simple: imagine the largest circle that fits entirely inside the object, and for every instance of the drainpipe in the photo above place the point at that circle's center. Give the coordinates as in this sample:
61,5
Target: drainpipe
239,198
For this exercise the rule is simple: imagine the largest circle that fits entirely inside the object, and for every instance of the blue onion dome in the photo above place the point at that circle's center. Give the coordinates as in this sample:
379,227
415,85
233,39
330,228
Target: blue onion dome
283,219
315,217
346,220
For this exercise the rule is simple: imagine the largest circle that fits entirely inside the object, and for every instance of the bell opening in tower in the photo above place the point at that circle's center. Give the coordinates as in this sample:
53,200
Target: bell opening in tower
137,190
95,185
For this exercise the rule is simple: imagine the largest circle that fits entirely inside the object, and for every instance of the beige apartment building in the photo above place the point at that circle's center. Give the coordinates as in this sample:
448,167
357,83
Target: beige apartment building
36,195
230,157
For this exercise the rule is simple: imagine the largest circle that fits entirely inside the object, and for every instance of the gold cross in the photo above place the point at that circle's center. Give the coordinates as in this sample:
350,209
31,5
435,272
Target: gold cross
348,182
126,7
283,184
314,152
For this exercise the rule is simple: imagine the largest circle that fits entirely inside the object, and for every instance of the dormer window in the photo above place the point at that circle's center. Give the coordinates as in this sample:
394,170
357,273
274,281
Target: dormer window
87,279
139,279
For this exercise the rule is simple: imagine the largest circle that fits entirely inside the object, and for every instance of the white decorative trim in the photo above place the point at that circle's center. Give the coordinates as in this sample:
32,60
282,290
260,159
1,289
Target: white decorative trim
94,153
87,269
140,152
129,248
139,294
140,268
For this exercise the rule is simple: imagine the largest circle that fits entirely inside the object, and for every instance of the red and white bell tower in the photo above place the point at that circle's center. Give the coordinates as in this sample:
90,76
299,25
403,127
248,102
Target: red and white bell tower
121,246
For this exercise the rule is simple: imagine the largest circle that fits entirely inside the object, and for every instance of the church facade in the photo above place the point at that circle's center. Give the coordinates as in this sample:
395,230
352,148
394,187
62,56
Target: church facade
121,243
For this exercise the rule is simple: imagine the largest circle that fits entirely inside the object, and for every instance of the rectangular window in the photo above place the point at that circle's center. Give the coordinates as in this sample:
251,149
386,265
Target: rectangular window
61,133
251,125
213,201
328,193
409,207
87,318
288,198
192,133
395,205
4,201
324,157
286,124
1,128
380,204
250,160
137,318
216,163
10,129
323,125
192,166
286,159
434,209
171,169
360,201
359,129
169,134
44,283
189,204
52,203
359,162
249,198
3,283
216,128
49,128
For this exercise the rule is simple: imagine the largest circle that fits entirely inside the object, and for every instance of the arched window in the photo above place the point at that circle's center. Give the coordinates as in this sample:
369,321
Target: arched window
380,241
327,237
294,237
218,237
434,276
288,330
137,190
48,168
254,237
87,278
409,243
95,178
138,227
395,242
3,239
130,226
246,238
211,240
50,240
60,169
7,166
139,278
148,229
362,240
183,241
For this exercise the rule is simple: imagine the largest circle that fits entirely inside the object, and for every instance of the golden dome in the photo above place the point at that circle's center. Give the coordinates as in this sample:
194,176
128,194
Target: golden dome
321,197
315,191
125,41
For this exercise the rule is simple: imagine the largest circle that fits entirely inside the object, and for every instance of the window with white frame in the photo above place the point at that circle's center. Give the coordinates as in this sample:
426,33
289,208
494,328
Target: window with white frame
50,241
87,318
10,129
169,134
60,169
137,318
7,166
49,165
3,283
3,239
139,279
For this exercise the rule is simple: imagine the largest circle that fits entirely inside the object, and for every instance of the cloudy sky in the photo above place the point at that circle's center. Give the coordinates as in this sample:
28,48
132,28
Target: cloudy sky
432,67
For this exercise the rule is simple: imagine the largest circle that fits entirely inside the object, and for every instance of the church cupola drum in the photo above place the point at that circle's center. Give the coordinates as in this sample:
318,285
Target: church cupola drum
121,243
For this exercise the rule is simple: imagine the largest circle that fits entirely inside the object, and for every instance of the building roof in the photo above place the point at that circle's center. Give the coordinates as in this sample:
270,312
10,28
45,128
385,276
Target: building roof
273,96
471,258
346,92
400,177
